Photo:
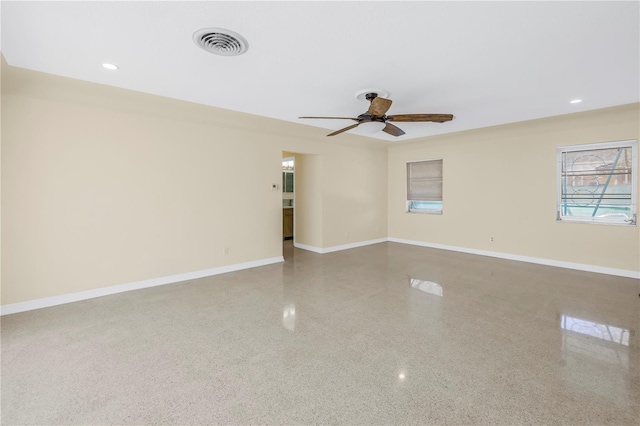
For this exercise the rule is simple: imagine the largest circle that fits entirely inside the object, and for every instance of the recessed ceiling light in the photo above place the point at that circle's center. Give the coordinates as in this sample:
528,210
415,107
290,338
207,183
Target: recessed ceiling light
110,66
576,101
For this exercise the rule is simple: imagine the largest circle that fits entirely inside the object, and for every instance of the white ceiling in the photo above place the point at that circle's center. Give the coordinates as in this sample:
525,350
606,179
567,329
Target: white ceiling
487,63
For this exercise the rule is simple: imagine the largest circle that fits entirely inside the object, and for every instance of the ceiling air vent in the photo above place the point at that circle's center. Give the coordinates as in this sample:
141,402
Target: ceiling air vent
220,41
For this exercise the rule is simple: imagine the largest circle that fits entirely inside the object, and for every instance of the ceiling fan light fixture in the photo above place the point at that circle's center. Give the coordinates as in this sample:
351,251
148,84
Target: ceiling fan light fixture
370,127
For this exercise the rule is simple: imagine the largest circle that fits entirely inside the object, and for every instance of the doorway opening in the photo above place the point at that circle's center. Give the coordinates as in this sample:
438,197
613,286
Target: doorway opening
288,204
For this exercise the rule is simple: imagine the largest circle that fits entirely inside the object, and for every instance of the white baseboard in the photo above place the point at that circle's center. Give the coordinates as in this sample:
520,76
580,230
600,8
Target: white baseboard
549,262
105,291
308,248
355,245
339,248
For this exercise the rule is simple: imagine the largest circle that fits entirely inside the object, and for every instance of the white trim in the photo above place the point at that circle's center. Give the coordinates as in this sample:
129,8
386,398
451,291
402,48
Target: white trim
341,247
308,248
549,262
355,245
597,145
121,288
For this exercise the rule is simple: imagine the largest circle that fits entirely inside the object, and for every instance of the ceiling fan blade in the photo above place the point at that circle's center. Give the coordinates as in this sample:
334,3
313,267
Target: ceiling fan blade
337,132
334,118
393,130
438,118
379,106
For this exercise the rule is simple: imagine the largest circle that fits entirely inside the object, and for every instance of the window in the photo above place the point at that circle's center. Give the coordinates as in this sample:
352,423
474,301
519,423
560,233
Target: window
424,186
287,181
597,183
288,167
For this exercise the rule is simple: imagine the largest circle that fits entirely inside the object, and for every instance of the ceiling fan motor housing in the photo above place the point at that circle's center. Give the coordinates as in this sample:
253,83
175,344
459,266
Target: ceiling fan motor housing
366,117
370,96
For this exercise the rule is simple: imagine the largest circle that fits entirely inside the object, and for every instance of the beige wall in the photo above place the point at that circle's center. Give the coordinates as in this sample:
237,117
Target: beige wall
2,63
501,182
308,222
103,186
340,196
352,201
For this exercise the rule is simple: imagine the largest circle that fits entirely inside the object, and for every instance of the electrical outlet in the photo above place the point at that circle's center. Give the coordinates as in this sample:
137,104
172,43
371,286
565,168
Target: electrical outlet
225,251
491,239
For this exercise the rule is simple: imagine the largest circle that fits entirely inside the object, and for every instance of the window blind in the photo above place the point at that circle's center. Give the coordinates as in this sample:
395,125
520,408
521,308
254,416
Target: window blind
424,180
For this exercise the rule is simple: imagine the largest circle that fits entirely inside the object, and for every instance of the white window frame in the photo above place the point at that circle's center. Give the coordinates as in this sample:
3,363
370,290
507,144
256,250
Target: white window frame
408,208
634,180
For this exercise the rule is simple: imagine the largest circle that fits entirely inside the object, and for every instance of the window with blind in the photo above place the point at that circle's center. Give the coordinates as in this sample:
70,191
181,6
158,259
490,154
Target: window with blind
424,186
597,183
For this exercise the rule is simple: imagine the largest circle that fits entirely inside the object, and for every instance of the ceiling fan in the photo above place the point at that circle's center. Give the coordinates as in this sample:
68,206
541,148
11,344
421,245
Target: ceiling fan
376,114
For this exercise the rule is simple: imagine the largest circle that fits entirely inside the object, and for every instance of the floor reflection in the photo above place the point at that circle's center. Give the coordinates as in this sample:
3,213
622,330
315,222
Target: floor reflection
596,358
594,351
426,286
289,317
594,329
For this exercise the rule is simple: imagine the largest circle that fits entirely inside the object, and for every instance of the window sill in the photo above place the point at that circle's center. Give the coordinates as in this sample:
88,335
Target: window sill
595,222
424,212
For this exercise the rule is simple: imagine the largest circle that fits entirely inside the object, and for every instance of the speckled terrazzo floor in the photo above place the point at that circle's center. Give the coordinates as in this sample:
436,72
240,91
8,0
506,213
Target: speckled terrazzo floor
384,334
